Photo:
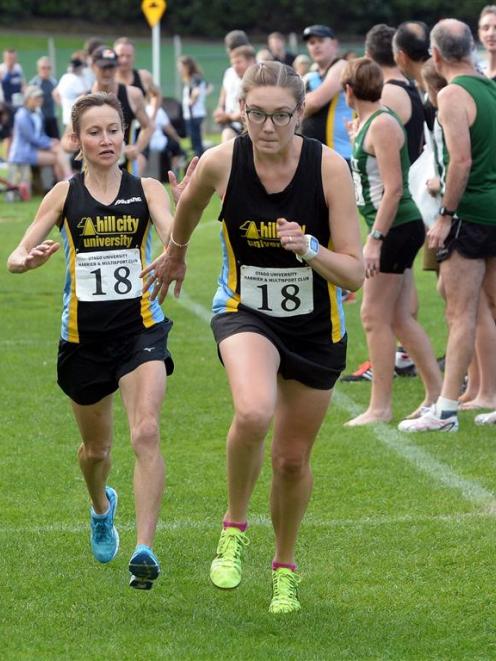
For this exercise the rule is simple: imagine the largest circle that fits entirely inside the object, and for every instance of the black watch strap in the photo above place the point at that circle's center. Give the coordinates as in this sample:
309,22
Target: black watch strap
444,211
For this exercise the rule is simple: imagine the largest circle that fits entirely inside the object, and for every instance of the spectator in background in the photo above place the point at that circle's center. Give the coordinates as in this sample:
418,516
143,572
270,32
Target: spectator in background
276,42
301,65
30,144
264,55
326,113
12,78
90,45
127,74
47,83
71,86
487,36
228,115
464,233
195,90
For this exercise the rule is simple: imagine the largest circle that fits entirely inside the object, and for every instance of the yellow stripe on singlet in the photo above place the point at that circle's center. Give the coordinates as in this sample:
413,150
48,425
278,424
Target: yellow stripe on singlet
232,280
331,116
72,325
146,310
337,331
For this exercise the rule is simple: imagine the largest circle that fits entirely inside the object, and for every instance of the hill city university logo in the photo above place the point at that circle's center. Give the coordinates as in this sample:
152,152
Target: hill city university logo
261,234
108,231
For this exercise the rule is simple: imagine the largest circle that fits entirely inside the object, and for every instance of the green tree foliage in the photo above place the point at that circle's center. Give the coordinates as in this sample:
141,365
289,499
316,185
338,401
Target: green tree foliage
215,17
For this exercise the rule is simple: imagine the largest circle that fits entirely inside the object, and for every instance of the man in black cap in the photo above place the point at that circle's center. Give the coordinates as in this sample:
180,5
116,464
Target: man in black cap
104,63
326,112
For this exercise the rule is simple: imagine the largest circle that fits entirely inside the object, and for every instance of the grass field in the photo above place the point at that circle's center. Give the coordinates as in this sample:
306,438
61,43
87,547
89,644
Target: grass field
396,551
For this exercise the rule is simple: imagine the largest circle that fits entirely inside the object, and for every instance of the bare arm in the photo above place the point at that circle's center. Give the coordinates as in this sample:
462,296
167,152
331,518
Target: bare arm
385,139
343,265
152,90
212,170
331,85
35,249
138,104
159,207
456,113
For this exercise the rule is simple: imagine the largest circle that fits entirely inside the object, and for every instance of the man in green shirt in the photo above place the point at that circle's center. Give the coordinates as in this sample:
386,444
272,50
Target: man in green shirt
465,230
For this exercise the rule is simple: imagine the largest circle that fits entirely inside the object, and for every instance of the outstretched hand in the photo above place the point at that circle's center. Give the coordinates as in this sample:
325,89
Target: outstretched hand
178,188
38,255
166,268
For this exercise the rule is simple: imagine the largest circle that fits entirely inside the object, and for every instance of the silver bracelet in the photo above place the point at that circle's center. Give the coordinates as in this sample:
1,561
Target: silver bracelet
178,245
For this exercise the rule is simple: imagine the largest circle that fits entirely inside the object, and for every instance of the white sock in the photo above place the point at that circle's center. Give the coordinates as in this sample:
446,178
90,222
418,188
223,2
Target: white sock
446,405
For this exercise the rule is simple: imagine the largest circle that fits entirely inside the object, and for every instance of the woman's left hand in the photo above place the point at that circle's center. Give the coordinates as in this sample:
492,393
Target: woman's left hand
372,257
178,188
291,236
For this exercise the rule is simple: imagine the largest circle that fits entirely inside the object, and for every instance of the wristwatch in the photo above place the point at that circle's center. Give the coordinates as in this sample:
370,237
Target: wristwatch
444,211
376,234
312,248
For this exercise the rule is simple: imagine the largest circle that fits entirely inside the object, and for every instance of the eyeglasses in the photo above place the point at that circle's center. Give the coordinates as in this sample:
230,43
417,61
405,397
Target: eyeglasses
278,118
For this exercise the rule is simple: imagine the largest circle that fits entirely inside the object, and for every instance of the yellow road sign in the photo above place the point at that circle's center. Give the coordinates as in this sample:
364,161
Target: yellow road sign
153,10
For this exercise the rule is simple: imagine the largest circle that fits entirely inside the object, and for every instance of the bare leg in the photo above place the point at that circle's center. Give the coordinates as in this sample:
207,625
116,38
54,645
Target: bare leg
462,281
251,362
95,425
380,295
299,414
481,391
143,392
416,342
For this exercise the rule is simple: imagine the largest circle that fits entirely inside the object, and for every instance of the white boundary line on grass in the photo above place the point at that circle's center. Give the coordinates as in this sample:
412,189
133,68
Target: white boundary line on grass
400,443
261,521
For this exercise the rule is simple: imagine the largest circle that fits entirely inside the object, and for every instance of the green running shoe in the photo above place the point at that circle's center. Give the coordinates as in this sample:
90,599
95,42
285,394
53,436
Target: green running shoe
284,591
225,571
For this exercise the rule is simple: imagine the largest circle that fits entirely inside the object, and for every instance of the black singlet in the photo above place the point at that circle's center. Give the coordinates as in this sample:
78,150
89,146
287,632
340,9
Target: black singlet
127,111
415,125
137,82
249,217
106,247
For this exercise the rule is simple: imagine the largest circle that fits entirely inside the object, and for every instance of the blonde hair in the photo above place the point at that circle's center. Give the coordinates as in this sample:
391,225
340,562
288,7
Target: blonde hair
273,74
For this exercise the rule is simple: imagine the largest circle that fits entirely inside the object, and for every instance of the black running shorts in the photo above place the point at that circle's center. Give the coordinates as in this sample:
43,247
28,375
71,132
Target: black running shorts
315,364
89,371
471,240
400,247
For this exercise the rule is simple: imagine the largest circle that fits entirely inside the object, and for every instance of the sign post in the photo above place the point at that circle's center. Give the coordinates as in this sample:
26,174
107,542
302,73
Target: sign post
153,11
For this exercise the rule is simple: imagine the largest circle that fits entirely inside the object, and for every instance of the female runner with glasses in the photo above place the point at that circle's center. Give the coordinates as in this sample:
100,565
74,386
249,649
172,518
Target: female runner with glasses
290,240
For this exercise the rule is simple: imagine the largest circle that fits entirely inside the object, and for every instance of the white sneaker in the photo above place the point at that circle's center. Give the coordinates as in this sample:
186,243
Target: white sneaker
429,421
486,418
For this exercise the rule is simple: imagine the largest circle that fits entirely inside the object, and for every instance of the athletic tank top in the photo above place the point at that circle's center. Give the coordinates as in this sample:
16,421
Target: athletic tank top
415,125
127,111
257,273
328,124
369,188
106,247
478,203
137,82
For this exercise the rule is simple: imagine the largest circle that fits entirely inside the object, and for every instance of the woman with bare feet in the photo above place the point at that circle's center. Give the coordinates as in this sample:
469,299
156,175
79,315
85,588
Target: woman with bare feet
380,169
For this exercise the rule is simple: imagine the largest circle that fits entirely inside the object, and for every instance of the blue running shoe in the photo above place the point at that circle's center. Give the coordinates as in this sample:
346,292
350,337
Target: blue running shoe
104,536
143,567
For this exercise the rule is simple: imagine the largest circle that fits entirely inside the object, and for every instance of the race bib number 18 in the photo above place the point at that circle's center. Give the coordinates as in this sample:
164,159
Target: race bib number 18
111,275
277,292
